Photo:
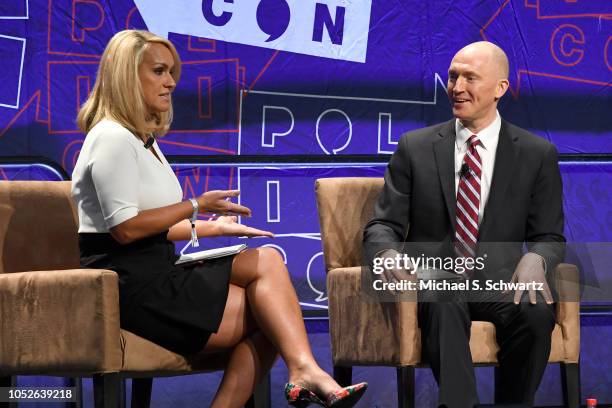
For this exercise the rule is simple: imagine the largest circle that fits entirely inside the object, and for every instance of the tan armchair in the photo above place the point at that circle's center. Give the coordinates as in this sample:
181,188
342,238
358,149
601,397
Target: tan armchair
62,320
387,334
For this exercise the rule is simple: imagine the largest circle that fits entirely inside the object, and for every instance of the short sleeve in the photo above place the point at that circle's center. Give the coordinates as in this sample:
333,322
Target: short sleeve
114,172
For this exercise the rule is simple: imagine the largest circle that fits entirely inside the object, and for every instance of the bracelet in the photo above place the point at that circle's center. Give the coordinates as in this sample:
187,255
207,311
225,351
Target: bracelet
196,208
194,216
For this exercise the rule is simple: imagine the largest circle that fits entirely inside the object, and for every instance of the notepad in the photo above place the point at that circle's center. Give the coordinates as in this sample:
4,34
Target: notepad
210,254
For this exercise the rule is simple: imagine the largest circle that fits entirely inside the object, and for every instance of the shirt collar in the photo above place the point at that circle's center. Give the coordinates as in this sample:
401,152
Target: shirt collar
487,136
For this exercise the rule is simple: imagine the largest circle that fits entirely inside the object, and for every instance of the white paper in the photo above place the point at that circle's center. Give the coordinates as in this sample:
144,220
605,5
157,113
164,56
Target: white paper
210,254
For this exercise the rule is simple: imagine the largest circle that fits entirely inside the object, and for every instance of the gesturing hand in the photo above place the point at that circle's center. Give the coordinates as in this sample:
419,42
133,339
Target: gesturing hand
229,226
530,270
218,202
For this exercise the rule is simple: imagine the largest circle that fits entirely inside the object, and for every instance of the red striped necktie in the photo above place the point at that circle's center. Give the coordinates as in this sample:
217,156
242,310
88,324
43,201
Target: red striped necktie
468,201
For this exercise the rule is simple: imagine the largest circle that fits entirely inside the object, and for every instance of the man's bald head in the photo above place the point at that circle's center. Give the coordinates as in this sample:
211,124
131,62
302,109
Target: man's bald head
477,79
496,56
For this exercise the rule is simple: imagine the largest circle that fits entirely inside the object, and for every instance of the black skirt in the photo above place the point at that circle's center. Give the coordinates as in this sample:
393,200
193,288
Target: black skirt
176,307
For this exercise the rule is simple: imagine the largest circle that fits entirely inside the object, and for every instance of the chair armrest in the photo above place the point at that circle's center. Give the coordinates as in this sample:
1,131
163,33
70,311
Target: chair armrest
566,279
367,331
59,322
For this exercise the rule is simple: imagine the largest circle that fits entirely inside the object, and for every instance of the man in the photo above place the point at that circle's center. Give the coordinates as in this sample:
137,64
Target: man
455,189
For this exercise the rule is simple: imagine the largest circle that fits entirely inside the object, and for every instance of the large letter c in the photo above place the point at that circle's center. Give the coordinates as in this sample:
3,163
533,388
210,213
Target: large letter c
211,17
564,53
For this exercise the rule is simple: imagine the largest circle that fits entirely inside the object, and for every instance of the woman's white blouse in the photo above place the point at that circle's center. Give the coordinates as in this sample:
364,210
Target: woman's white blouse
115,177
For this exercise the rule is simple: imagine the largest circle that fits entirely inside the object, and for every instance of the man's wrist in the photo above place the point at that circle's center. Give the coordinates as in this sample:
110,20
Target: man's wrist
386,253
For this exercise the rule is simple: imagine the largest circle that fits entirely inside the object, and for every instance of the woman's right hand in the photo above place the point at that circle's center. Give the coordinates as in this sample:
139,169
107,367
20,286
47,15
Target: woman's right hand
218,202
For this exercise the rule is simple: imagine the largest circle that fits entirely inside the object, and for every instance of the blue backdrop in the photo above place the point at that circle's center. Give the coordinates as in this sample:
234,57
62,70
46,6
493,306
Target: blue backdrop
238,98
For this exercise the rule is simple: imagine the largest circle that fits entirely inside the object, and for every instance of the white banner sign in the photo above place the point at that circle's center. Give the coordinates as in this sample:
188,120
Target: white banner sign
335,29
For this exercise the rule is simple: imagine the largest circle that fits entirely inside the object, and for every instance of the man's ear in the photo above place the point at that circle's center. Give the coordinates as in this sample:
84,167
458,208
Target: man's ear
502,87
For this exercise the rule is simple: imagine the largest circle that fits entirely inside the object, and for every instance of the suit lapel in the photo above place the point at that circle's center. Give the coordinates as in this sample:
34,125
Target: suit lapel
503,171
444,152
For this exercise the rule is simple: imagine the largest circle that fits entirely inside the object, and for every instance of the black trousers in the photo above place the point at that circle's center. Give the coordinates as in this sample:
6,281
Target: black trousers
523,333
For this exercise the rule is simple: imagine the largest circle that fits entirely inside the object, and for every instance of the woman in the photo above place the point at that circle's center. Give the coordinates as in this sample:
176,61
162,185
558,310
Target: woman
130,210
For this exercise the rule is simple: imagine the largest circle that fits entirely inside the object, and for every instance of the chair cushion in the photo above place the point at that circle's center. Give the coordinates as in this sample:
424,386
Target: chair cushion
140,356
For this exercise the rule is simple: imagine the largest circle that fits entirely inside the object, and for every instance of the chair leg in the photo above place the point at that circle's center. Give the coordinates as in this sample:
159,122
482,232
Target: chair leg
570,384
261,397
77,383
122,392
496,386
8,382
343,375
141,392
405,387
107,390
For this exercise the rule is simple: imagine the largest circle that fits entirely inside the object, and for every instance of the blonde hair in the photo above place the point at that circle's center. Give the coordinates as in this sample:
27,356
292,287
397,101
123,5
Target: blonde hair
117,93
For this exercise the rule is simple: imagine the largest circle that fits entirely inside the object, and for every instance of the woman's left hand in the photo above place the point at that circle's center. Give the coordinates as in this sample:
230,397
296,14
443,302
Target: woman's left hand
229,226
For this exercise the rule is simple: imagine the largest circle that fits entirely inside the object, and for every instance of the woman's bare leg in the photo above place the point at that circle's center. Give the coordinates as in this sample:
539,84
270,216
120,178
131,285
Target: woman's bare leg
250,360
252,354
275,306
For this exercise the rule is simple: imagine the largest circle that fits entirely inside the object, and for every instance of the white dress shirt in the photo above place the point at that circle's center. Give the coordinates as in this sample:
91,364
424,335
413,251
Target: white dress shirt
115,177
489,137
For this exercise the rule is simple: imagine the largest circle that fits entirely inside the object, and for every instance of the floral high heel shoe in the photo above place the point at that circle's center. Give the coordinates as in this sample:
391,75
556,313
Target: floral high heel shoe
300,396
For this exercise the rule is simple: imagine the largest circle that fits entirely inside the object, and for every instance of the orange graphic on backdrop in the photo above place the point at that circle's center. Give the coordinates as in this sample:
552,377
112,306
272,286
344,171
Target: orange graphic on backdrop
535,4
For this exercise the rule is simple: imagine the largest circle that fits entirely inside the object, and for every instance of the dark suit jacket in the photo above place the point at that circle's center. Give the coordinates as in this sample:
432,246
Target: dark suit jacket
417,204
